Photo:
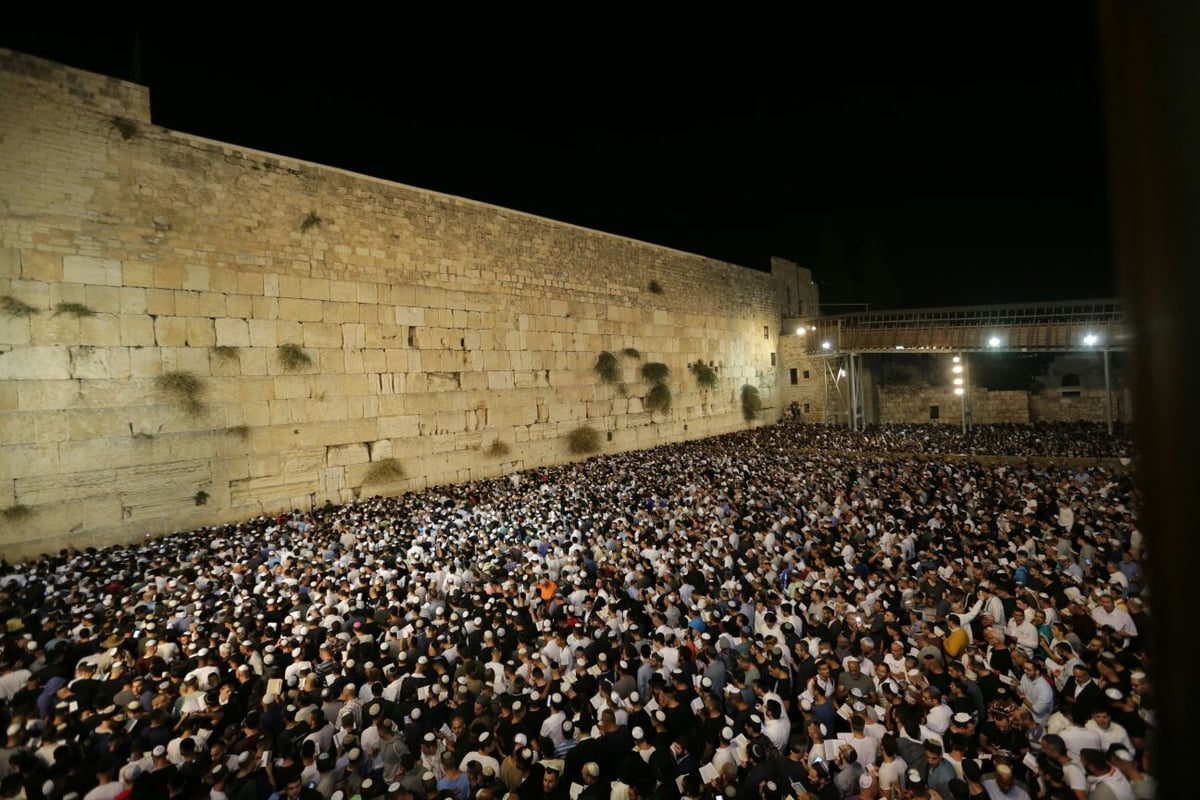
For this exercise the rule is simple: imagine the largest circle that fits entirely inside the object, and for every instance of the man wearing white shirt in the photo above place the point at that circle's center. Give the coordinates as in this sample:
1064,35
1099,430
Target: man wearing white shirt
1023,631
1118,619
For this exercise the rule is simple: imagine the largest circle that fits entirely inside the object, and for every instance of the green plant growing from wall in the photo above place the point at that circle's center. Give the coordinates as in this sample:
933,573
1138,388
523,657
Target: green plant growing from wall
751,402
655,287
498,448
16,308
385,470
292,357
583,440
185,389
200,498
631,352
655,371
224,351
16,513
240,431
607,368
658,399
310,221
706,376
74,309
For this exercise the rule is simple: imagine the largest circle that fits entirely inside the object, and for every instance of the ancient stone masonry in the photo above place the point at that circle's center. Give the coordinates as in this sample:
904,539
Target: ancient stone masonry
193,332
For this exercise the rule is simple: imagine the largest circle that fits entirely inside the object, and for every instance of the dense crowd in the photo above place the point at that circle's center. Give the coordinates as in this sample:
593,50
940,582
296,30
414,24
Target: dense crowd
1048,439
725,619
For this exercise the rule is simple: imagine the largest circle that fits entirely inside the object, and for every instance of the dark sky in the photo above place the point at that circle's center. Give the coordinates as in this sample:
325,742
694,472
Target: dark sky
910,162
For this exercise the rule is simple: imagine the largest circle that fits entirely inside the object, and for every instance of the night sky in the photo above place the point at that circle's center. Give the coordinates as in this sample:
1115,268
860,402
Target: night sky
909,162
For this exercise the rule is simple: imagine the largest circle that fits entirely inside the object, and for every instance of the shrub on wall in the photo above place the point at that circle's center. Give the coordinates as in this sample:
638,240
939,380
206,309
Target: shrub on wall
185,389
498,448
224,351
385,470
584,439
16,308
74,309
655,371
658,398
631,352
606,367
751,402
292,357
706,376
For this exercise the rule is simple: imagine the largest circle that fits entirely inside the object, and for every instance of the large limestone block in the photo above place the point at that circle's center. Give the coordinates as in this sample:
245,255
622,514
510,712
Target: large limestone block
49,489
170,331
90,270
321,335
35,363
14,330
28,460
89,362
263,333
300,310
231,332
399,427
341,455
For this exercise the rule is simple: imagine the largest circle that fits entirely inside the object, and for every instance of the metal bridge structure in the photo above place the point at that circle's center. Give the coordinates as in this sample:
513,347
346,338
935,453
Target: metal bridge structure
840,341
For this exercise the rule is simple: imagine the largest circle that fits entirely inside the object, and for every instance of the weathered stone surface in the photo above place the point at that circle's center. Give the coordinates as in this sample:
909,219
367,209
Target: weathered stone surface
425,346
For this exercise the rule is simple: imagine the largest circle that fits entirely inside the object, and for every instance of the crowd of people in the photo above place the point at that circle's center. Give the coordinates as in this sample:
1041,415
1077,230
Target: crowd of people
1045,439
726,619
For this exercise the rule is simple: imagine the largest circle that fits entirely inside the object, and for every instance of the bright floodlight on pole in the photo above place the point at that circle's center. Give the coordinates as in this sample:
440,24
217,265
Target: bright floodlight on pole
958,381
801,330
1090,339
827,345
957,359
958,390
994,341
956,368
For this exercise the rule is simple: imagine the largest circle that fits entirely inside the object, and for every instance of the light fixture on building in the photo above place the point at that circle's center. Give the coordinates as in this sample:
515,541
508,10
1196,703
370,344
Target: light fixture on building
958,381
826,345
994,341
1090,339
958,390
801,331
957,359
956,368
899,347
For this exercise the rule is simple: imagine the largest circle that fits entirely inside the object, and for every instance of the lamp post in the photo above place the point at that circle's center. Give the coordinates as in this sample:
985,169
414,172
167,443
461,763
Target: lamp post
960,386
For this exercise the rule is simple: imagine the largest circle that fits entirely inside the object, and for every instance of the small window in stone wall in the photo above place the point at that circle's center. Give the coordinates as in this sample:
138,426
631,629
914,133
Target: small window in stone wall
935,412
772,359
806,375
1068,393
807,408
793,373
766,331
412,336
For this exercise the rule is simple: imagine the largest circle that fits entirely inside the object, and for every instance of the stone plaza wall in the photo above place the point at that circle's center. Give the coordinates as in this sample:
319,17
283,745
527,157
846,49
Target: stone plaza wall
455,337
912,404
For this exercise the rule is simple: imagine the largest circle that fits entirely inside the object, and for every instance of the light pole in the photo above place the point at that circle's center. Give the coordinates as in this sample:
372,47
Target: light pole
960,386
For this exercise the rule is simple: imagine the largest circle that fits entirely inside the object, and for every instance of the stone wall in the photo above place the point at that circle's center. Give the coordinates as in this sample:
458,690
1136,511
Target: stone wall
809,389
1060,405
912,404
455,337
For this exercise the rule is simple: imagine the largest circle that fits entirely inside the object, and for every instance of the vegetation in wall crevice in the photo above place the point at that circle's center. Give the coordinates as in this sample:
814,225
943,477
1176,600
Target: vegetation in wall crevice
185,390
583,440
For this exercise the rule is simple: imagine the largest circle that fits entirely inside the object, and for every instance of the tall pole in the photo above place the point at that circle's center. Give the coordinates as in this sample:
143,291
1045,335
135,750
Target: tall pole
963,396
853,379
825,380
1108,410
